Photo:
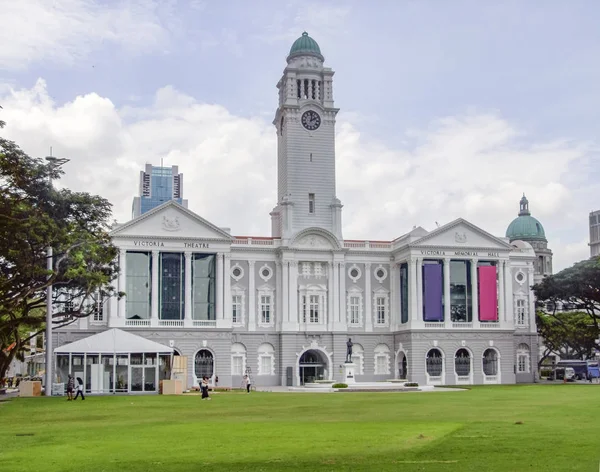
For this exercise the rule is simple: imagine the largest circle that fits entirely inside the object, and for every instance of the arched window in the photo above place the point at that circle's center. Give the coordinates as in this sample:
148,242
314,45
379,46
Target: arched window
382,359
266,359
523,359
435,363
490,362
358,357
462,363
238,359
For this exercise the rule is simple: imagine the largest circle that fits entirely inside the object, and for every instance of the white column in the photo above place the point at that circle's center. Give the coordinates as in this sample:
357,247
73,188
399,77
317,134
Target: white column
155,287
342,313
336,292
278,311
368,299
293,293
188,289
474,294
420,289
219,300
501,297
227,290
447,300
508,295
412,292
330,296
251,297
121,309
531,300
285,296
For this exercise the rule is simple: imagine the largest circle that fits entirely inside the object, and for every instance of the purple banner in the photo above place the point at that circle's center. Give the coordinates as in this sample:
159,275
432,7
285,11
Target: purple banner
432,292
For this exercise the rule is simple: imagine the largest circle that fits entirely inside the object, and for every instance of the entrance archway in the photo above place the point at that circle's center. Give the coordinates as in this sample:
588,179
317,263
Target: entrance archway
402,366
312,366
204,364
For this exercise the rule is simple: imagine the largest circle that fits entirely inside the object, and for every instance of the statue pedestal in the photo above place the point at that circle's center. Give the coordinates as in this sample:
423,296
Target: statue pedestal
349,371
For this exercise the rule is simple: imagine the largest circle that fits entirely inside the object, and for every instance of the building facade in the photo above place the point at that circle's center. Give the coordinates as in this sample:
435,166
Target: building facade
450,306
595,233
157,186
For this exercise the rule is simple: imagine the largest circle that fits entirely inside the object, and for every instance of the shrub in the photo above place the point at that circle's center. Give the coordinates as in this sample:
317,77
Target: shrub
411,384
340,385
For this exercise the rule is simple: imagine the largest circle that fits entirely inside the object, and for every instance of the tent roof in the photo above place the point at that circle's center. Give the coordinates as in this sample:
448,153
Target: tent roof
113,341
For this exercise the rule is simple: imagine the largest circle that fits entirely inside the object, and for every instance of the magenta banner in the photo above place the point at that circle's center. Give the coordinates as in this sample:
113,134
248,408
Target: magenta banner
432,292
488,294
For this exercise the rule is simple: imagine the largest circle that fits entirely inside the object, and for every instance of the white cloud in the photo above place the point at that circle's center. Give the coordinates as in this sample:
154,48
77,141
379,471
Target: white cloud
473,166
64,31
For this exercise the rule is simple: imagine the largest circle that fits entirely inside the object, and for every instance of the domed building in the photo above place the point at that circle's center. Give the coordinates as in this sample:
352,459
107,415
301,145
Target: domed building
526,228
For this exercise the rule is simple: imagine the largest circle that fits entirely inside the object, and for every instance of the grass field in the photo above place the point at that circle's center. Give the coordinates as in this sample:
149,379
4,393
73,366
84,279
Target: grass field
473,430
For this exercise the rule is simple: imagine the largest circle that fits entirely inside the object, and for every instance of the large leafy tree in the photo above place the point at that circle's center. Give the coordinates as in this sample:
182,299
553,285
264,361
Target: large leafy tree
572,333
33,217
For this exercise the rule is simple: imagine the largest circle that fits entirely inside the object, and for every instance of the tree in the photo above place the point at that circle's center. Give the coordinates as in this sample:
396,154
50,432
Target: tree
570,335
34,216
577,287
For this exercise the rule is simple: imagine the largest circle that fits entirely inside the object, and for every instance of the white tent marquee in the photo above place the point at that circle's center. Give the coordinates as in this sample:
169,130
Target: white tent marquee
115,361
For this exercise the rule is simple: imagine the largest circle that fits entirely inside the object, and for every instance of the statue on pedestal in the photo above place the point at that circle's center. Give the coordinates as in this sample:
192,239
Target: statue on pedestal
349,345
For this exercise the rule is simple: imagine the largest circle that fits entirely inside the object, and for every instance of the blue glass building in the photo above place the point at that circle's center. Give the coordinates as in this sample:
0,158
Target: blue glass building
157,186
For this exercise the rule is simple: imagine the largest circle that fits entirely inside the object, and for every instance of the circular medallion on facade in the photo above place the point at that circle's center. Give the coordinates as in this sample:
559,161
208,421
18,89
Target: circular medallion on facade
354,273
311,120
381,273
237,272
520,277
265,273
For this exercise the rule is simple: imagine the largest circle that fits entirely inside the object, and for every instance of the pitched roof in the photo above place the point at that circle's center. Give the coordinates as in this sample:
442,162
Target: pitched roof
113,341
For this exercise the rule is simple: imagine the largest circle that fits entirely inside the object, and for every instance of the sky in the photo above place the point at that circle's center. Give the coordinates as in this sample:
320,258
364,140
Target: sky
447,109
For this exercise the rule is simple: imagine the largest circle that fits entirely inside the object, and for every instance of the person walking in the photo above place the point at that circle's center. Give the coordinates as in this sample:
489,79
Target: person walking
204,388
79,389
247,383
70,387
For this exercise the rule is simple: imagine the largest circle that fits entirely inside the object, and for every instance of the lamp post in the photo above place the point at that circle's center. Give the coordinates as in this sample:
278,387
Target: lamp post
54,162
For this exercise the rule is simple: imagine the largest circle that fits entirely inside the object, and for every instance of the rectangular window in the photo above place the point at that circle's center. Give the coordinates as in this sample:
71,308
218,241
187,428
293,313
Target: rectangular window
311,202
237,365
99,311
433,287
354,310
236,309
488,291
522,364
460,291
380,310
138,284
265,309
521,312
404,293
265,365
203,286
380,365
314,309
172,283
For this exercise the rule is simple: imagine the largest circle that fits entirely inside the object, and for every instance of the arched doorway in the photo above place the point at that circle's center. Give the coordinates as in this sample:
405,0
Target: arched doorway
402,366
204,364
312,366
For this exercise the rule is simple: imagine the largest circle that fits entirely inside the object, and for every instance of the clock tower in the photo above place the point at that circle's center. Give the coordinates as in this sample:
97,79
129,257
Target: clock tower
305,122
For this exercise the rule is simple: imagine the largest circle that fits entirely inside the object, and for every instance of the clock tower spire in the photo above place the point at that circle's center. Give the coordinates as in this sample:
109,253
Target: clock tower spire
305,123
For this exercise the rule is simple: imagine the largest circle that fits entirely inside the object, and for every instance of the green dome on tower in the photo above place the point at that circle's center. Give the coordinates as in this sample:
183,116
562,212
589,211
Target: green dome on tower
525,227
305,45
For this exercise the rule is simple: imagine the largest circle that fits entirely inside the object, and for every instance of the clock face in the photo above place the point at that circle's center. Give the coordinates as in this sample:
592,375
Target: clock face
311,120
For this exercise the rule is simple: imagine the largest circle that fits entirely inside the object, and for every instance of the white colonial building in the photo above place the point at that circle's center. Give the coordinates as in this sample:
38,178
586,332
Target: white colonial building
450,306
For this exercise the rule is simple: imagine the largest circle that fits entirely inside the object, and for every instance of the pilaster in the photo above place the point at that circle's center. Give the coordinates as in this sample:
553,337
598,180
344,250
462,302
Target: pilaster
336,292
278,311
188,290
501,295
474,294
251,297
154,296
330,295
531,300
293,294
227,321
341,321
121,309
285,288
220,285
412,292
420,289
509,317
447,300
368,299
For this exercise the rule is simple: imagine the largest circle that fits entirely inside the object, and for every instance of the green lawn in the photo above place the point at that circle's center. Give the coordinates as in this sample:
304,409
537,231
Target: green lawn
472,430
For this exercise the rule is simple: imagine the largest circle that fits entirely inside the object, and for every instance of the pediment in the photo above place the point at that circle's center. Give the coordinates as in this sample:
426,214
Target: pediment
171,220
461,234
316,239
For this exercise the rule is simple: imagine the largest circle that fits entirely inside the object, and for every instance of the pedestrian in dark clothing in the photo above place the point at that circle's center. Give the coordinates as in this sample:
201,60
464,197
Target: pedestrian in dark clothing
70,387
204,388
79,389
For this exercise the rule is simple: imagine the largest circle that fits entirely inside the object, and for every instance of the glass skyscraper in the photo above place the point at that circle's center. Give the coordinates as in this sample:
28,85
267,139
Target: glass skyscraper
157,186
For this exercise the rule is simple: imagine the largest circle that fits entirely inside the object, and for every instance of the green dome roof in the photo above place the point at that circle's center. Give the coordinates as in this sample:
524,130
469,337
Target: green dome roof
305,45
525,227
